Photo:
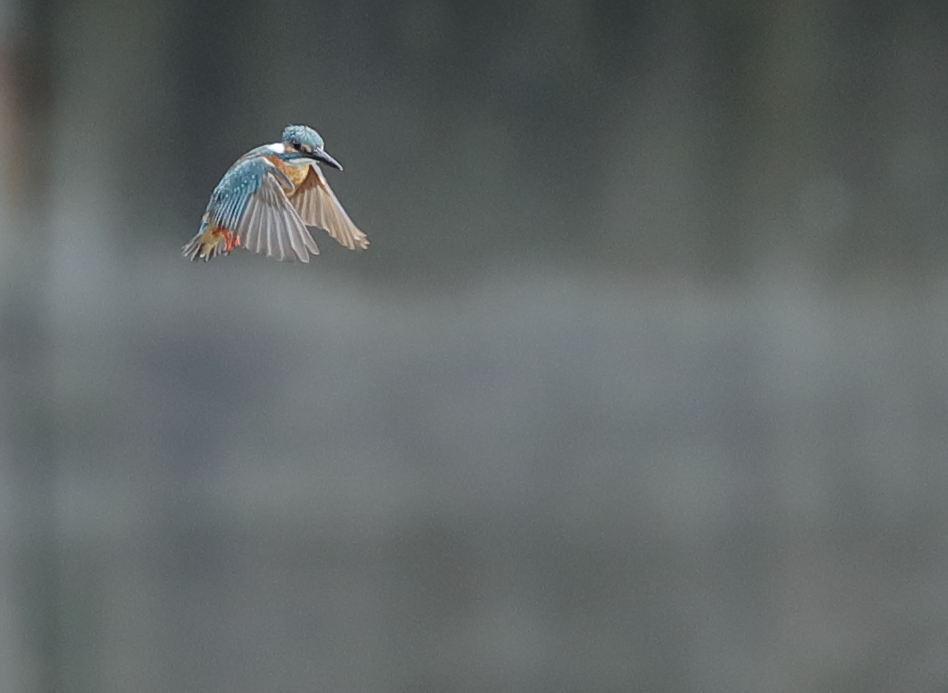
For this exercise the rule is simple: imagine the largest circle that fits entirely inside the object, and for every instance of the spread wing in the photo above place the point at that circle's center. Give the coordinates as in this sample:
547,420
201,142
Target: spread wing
318,206
269,223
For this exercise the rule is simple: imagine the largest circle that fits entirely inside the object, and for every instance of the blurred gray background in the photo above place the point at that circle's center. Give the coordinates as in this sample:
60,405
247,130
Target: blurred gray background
642,385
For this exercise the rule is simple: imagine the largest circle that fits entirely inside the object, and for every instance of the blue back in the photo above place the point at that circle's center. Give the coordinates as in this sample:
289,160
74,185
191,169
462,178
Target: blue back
229,198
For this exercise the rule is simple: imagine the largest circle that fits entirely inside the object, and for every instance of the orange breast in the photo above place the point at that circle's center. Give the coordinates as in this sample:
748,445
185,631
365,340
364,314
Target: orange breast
296,174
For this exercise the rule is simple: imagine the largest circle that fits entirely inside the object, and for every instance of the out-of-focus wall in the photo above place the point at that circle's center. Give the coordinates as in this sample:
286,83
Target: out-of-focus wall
641,384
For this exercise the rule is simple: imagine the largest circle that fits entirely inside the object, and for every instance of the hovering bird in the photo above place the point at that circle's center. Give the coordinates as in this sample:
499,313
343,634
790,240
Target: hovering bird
269,196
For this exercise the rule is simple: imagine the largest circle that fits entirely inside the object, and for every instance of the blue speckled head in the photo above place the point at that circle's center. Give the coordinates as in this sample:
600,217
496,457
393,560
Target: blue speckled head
303,142
296,135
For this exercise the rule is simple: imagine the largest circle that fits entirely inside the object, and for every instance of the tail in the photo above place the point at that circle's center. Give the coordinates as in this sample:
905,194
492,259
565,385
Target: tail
209,243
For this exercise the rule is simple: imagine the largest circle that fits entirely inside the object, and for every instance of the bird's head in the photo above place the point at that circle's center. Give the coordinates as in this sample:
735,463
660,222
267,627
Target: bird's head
307,143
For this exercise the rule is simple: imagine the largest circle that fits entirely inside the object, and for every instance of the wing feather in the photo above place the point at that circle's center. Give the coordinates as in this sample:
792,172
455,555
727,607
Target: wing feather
270,224
318,205
249,240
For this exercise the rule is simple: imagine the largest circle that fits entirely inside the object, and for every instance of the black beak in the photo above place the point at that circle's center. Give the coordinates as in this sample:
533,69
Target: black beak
320,155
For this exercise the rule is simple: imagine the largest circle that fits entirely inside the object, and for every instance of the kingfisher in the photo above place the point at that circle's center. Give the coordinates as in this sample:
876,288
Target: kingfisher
269,196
